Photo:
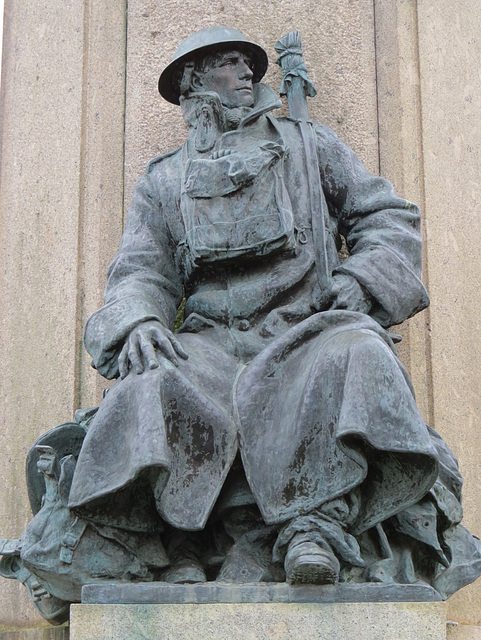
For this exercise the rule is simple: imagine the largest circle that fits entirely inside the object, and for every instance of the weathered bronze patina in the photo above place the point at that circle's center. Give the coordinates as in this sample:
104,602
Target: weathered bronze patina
274,436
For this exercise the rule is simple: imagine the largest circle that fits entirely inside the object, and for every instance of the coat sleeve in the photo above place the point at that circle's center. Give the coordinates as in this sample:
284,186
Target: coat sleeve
143,282
382,232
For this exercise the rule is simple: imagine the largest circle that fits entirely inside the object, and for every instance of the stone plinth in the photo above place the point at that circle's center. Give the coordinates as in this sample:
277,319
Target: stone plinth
242,621
226,593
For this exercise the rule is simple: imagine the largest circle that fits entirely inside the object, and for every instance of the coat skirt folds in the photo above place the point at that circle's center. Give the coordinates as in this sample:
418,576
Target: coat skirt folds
305,413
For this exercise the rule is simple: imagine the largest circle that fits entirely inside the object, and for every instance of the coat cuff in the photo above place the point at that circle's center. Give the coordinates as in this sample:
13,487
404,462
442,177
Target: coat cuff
396,289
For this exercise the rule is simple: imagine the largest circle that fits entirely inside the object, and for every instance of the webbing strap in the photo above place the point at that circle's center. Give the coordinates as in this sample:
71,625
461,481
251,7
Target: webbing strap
319,212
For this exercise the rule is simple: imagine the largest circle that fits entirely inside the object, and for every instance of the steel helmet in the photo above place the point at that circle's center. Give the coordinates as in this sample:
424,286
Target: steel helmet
200,42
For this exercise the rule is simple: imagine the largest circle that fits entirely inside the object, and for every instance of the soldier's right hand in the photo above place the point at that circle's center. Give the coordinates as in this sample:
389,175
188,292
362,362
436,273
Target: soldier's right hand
145,345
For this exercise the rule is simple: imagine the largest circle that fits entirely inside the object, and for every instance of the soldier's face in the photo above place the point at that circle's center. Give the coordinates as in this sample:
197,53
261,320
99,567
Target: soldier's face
231,79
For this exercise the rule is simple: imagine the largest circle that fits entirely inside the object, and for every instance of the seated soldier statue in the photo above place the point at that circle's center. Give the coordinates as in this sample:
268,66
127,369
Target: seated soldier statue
273,436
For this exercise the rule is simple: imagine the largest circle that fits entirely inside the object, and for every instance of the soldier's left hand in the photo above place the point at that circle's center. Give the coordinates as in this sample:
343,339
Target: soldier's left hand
347,293
221,154
145,344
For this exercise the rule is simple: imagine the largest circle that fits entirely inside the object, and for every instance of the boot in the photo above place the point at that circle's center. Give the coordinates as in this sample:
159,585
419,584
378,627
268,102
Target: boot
306,562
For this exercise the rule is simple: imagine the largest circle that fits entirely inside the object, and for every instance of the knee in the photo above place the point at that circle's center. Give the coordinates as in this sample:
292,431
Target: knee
359,343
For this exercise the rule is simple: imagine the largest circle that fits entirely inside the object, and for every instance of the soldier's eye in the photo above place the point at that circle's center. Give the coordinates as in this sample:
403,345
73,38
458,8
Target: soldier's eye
228,62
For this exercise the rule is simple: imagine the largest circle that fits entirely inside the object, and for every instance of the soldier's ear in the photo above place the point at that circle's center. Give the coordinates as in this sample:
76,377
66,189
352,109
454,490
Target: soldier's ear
190,81
196,81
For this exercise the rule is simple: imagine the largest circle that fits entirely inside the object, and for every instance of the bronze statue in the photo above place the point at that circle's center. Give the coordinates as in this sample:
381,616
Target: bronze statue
274,435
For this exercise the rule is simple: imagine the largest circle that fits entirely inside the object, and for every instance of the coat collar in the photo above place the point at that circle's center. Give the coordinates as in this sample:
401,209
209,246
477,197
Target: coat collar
265,100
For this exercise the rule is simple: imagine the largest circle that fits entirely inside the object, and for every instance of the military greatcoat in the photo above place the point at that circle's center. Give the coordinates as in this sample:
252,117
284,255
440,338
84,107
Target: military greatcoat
315,400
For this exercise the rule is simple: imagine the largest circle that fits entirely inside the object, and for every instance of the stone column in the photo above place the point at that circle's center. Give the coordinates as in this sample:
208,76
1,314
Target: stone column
61,195
449,54
429,99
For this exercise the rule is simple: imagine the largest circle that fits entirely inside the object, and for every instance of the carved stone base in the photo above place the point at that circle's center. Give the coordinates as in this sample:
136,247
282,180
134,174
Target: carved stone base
242,621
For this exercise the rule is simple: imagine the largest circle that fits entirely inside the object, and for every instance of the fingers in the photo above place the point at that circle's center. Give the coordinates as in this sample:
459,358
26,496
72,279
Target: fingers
143,347
134,354
164,345
177,346
124,361
131,355
168,344
341,298
220,154
336,289
341,283
148,351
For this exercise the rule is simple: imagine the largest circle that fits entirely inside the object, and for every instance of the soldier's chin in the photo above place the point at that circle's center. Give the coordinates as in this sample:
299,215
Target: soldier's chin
242,99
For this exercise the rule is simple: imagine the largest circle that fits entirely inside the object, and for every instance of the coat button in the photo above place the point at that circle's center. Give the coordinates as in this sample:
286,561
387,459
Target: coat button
244,325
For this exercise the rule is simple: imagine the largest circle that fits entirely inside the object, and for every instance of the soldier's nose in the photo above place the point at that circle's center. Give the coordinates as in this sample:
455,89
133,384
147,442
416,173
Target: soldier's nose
245,72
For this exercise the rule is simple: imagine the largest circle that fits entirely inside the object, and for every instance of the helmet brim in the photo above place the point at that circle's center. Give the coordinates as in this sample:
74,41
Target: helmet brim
168,85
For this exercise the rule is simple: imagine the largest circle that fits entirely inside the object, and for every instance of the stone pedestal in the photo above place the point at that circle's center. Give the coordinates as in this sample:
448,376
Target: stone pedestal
254,593
242,621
